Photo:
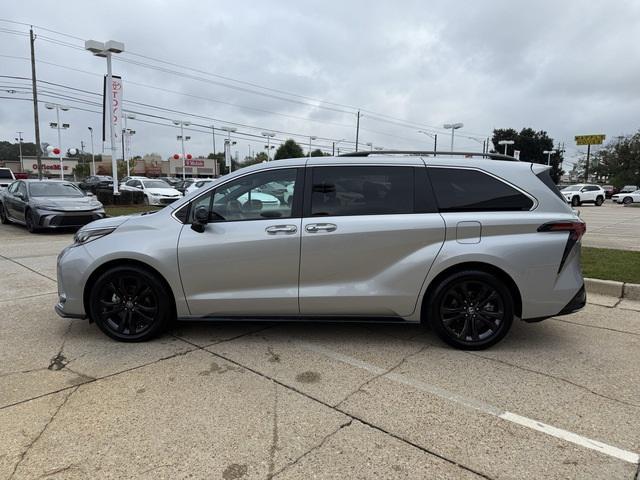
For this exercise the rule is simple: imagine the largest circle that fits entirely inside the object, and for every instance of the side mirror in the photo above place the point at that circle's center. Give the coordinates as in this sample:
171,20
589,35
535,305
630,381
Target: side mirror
20,195
201,218
583,189
89,194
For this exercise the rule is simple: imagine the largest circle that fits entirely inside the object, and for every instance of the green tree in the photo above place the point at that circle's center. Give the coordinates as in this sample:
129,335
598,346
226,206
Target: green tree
289,149
317,153
11,151
618,161
531,144
219,158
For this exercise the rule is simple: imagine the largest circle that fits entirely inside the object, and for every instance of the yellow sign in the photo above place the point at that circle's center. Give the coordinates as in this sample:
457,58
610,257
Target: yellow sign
590,139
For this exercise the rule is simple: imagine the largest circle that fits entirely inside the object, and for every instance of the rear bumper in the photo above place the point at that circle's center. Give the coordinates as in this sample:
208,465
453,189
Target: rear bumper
576,303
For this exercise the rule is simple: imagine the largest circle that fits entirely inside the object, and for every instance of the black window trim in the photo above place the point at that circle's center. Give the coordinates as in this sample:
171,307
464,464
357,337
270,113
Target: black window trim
296,205
500,179
419,204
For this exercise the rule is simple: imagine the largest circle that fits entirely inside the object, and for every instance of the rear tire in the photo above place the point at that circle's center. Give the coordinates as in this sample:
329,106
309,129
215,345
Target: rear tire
575,201
470,310
599,201
627,200
130,304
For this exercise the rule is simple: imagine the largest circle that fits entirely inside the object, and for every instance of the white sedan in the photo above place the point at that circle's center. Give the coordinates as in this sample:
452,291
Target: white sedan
199,183
627,198
156,192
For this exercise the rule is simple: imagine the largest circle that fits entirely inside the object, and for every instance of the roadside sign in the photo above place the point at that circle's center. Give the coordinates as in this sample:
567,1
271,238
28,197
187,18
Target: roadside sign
590,139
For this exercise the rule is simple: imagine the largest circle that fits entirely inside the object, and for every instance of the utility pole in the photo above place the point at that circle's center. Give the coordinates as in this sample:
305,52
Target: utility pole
213,136
357,130
36,120
20,147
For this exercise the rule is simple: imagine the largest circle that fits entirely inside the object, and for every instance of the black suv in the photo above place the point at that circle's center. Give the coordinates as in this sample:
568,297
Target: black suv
96,182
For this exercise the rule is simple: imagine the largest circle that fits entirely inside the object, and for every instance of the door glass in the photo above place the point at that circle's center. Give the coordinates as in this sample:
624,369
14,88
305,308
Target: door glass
362,191
258,196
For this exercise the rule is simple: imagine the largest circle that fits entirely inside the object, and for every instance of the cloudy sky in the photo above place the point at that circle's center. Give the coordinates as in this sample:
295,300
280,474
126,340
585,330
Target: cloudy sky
304,68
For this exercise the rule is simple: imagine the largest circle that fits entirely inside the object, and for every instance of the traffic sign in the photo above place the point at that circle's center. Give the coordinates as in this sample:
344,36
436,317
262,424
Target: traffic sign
590,139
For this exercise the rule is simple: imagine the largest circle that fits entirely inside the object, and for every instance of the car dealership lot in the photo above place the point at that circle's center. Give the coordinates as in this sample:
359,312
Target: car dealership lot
611,226
559,399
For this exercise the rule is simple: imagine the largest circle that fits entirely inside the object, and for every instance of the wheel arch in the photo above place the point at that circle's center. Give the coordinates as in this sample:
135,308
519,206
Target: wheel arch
126,262
481,266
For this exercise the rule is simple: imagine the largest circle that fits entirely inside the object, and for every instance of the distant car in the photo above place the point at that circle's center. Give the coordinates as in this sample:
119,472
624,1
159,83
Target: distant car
96,182
628,189
42,204
182,185
156,192
627,198
173,181
576,195
6,177
126,179
197,183
609,190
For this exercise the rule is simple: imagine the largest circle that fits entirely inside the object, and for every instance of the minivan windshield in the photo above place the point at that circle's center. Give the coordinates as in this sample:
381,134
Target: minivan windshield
54,189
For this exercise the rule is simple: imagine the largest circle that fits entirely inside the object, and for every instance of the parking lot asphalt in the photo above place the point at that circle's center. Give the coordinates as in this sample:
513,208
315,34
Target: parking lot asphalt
611,226
557,399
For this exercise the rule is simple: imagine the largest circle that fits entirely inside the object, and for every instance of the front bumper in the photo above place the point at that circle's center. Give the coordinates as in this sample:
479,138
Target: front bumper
72,266
66,219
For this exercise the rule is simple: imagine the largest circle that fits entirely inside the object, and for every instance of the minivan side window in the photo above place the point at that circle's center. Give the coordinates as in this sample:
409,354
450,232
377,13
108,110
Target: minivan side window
361,190
259,196
466,190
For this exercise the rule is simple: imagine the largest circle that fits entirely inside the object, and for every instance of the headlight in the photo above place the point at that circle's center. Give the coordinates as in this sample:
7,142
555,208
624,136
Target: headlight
85,236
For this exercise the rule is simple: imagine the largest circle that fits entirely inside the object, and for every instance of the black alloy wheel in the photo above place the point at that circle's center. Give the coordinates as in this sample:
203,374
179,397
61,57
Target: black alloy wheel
29,223
3,215
130,304
599,201
471,310
575,201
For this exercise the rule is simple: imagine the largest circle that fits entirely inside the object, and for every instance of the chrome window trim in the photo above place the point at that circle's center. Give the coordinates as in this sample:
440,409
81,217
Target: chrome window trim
500,179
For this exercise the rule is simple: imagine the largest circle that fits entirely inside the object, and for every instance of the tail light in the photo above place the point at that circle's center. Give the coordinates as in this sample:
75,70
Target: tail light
576,230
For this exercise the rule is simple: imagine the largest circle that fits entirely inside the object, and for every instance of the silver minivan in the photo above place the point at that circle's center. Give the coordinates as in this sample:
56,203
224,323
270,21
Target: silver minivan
462,242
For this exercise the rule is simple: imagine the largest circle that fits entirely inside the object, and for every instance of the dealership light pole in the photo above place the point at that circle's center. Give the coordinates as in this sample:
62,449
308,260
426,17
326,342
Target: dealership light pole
548,153
19,140
310,139
227,146
58,126
453,127
127,132
93,154
435,139
269,136
506,144
182,124
106,49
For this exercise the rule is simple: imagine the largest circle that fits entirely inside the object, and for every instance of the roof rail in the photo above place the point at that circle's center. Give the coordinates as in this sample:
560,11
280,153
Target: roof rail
491,156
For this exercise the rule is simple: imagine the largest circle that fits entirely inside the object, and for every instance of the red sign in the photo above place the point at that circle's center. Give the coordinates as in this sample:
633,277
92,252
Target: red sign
55,166
196,162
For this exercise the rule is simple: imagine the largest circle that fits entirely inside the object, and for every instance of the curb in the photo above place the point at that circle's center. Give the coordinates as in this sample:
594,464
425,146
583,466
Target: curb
610,288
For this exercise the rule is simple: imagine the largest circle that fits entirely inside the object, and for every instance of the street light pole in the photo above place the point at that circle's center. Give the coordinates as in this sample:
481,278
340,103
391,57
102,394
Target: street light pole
20,147
506,144
548,153
59,126
453,127
435,139
310,139
93,155
227,146
269,136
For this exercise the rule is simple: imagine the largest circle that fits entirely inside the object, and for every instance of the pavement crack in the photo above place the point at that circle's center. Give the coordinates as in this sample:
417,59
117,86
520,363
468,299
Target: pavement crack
375,377
44,429
560,379
343,412
625,332
28,268
312,449
274,435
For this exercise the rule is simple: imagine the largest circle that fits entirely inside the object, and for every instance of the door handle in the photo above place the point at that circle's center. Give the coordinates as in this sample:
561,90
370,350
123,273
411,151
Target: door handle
320,227
286,229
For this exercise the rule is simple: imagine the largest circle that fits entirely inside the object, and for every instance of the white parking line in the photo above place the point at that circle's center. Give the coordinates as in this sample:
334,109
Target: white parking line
481,406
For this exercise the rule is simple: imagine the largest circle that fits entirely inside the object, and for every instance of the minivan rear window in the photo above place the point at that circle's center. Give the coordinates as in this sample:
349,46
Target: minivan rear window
548,181
466,190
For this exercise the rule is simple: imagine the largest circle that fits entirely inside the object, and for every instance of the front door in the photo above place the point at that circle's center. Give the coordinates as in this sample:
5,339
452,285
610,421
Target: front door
246,260
370,235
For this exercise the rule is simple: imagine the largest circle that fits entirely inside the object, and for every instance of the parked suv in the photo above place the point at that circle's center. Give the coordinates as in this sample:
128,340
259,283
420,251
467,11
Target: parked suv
576,195
6,177
463,244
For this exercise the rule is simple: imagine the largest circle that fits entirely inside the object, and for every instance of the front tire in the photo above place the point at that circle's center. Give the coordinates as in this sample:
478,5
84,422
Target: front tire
4,219
29,222
627,200
130,304
575,201
471,310
599,201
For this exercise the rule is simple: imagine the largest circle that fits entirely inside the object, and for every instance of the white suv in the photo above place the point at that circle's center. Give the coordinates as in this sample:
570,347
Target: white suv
584,193
6,177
